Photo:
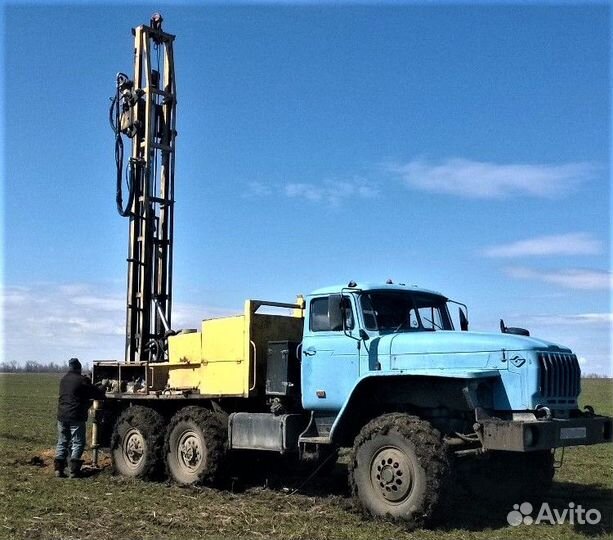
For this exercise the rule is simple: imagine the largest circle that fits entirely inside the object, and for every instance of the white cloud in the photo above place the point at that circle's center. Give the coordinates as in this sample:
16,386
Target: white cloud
258,189
330,192
584,319
103,303
50,323
310,192
14,295
560,244
333,192
574,278
485,180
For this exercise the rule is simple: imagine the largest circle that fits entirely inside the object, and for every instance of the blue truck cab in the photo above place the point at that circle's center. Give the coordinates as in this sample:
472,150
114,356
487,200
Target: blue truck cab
369,341
384,366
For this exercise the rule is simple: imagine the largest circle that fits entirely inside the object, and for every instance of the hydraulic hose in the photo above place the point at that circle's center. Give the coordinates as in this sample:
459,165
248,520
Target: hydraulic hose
115,121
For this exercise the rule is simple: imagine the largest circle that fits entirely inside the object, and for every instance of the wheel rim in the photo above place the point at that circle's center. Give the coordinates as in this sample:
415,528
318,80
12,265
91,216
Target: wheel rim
391,474
133,448
191,451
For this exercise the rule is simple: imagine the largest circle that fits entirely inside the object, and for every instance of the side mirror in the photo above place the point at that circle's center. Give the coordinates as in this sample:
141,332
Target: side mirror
463,320
335,312
363,335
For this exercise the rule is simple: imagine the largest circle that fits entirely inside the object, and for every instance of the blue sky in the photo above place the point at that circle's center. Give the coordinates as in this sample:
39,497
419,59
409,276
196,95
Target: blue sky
461,148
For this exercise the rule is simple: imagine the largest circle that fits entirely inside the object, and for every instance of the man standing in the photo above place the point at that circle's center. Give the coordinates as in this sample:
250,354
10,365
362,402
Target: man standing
76,393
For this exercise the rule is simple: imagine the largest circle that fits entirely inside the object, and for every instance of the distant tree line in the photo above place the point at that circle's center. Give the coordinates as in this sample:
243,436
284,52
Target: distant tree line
35,367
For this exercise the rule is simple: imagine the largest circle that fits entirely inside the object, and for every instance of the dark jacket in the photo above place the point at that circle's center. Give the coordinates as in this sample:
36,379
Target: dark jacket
76,392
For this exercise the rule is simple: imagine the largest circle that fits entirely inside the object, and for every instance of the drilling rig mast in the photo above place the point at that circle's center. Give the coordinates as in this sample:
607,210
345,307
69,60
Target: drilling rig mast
144,110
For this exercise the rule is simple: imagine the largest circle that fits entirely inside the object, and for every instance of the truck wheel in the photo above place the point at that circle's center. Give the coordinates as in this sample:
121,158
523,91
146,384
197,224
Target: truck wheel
195,446
137,443
398,468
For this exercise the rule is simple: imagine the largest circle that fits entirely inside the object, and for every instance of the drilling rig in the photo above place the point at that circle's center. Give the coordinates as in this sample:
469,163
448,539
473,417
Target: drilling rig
378,367
144,111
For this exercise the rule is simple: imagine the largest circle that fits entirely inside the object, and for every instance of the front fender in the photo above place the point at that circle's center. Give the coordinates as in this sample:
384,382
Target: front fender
359,404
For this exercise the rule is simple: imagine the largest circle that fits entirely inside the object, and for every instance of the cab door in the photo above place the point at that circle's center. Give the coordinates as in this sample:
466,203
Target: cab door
330,358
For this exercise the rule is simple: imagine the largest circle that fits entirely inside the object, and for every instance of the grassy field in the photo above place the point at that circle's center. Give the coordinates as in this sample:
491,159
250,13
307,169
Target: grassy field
34,504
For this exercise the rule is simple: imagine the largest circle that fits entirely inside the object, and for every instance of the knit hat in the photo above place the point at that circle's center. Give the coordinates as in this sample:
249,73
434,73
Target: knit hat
74,364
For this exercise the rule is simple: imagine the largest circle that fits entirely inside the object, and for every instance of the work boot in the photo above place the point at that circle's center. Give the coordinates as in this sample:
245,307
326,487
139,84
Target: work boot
59,465
75,468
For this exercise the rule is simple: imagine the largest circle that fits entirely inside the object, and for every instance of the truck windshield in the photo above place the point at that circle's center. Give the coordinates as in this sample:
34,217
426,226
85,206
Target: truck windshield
402,312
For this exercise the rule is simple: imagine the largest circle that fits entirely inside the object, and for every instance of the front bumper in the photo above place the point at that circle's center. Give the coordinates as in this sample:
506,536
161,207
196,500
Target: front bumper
527,436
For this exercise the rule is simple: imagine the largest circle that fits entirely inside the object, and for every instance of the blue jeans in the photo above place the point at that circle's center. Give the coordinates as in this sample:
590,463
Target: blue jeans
70,436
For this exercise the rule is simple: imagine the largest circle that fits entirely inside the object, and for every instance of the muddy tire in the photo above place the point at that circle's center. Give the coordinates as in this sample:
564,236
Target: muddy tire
525,477
137,443
399,469
196,446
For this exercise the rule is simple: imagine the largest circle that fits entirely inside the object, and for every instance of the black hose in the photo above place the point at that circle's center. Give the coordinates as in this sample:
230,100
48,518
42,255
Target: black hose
115,121
112,113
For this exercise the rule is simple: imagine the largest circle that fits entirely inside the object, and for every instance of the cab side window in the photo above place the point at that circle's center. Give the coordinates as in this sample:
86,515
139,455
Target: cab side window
320,321
320,318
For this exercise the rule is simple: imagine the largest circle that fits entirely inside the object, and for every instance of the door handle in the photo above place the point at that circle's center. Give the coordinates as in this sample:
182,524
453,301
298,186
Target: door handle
310,351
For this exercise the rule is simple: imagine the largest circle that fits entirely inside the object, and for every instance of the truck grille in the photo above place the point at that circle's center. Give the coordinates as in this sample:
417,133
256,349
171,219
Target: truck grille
560,375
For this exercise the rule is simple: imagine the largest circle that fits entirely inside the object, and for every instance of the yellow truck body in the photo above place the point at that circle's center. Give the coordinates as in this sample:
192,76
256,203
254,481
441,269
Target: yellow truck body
226,358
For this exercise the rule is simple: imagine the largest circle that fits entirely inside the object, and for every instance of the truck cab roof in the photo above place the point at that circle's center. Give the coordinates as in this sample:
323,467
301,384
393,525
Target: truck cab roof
372,286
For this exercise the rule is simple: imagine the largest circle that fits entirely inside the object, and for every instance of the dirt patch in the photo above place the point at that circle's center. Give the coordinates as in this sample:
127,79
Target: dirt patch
36,461
47,455
44,460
